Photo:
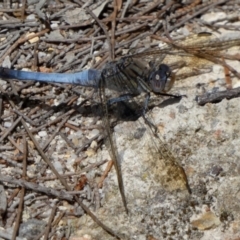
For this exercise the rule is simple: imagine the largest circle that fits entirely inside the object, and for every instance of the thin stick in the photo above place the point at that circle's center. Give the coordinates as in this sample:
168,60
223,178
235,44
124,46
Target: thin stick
53,213
216,97
20,205
103,28
10,129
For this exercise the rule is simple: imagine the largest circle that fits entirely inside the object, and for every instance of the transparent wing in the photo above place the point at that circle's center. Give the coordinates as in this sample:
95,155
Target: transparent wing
138,144
189,56
120,82
167,169
127,76
168,172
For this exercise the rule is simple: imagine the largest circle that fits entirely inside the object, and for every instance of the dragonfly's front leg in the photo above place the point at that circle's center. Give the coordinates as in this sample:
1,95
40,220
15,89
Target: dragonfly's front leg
147,121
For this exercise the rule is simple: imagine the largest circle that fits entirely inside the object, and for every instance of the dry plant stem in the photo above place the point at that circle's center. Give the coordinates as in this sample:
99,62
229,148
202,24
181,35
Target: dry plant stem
23,10
104,175
15,144
56,132
36,90
19,214
14,194
67,124
113,29
85,170
151,7
55,223
218,96
53,212
65,138
21,202
63,195
14,90
164,9
103,28
227,77
10,129
177,25
58,218
1,104
25,117
53,122
88,142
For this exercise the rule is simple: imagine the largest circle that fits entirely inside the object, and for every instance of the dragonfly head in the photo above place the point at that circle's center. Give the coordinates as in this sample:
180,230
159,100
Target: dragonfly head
162,79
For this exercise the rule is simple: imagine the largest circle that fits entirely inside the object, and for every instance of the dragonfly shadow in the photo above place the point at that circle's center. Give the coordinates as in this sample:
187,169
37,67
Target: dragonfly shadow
127,111
27,102
120,111
169,101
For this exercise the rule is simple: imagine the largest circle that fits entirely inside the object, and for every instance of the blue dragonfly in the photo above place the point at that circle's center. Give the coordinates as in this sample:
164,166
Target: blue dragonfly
148,72
128,75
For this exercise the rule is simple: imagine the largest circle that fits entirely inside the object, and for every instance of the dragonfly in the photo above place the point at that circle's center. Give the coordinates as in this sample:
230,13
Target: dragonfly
151,72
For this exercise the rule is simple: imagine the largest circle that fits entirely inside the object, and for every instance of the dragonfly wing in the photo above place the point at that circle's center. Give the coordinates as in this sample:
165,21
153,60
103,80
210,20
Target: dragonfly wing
148,163
192,55
167,171
127,77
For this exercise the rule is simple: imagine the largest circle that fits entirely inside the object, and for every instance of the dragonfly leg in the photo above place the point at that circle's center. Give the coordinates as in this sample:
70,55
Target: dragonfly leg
171,95
147,121
122,98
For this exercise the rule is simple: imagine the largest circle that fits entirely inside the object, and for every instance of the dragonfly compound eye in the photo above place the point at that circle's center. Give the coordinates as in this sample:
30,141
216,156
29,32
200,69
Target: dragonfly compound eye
160,80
